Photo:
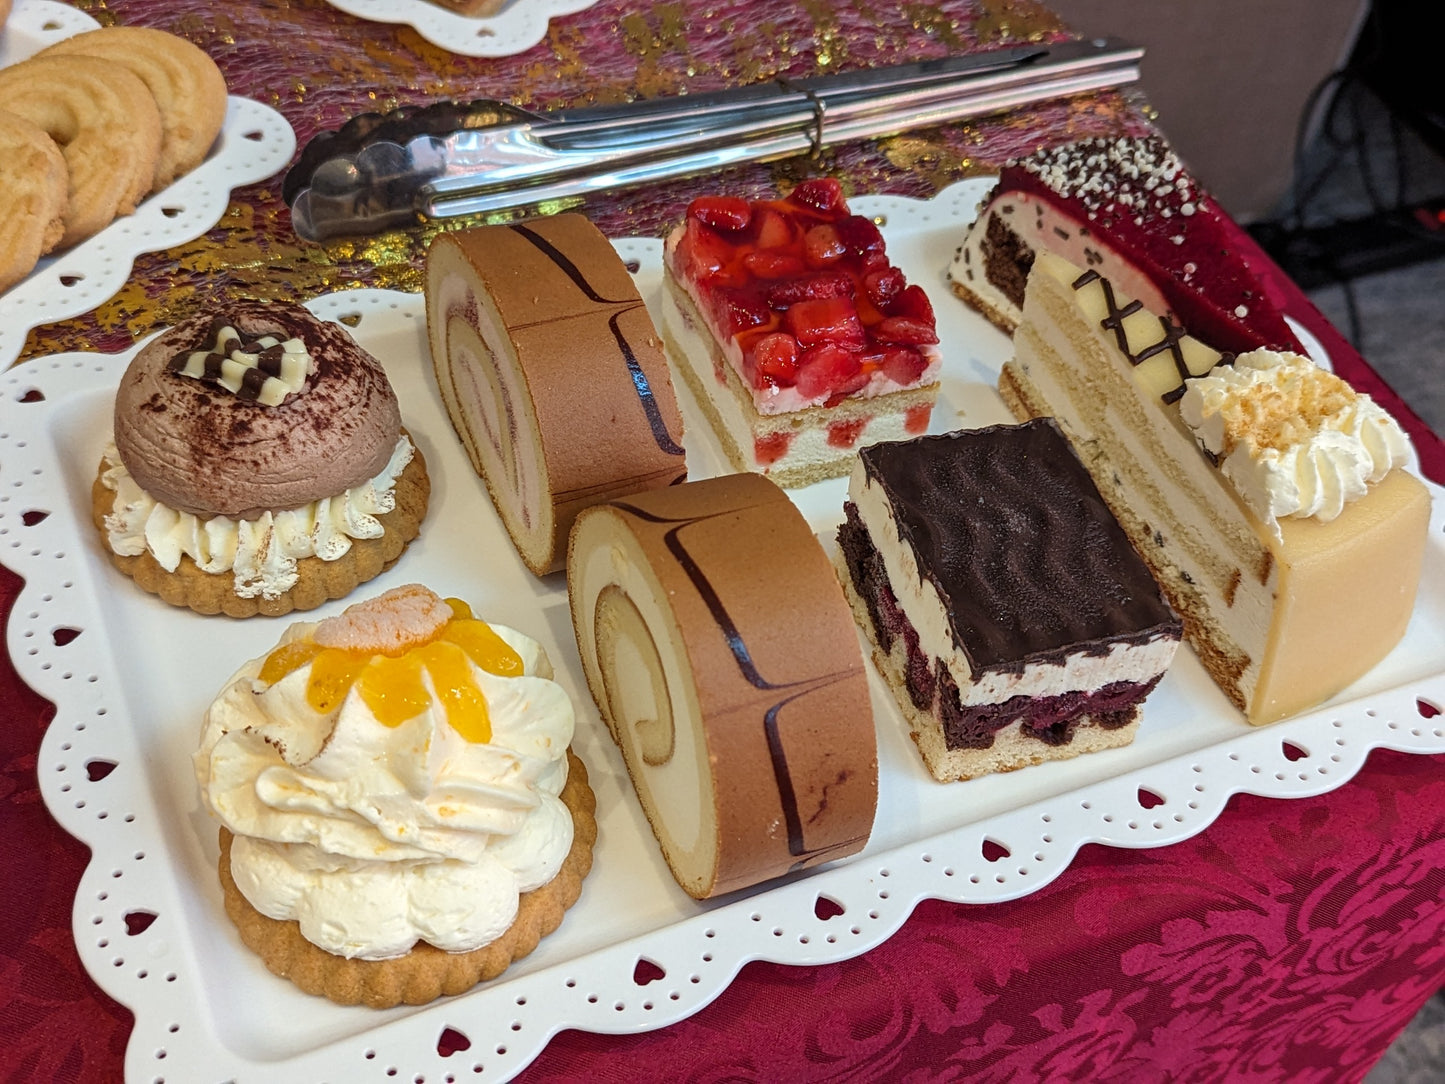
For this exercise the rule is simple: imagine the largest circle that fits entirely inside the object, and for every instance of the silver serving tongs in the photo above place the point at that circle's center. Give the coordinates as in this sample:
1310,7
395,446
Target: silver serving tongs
378,172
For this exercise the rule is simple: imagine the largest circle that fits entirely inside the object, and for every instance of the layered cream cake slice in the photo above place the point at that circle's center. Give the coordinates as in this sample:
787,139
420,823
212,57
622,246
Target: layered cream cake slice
1006,608
1269,499
799,338
1128,209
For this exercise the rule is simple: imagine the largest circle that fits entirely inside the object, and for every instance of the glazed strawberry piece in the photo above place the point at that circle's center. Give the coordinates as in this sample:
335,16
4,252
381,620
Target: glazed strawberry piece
806,291
826,320
903,366
739,309
831,370
727,213
775,357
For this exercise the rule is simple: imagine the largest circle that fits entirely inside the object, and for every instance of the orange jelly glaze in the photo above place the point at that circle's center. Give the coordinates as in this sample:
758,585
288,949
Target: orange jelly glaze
391,686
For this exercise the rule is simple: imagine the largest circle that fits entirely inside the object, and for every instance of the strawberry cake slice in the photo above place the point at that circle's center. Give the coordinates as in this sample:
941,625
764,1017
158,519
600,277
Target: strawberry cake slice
1127,209
800,340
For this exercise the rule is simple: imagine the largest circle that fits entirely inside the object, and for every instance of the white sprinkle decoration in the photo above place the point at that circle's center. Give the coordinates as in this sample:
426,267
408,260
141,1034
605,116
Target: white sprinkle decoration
1241,311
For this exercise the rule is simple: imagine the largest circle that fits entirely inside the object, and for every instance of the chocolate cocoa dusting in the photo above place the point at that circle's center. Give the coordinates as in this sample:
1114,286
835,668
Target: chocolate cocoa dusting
1008,527
218,453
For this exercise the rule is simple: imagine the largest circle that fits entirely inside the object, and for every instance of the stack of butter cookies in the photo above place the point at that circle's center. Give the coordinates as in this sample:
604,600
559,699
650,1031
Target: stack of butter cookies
92,125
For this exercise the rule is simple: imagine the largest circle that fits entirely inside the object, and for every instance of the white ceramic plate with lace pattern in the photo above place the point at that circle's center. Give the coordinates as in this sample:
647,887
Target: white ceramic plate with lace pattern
255,142
518,26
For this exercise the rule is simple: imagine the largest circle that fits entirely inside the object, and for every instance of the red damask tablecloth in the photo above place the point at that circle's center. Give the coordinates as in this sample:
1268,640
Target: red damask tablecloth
1291,940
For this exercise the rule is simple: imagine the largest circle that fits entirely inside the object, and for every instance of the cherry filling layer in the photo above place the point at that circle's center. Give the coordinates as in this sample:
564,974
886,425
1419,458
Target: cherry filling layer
1050,719
870,580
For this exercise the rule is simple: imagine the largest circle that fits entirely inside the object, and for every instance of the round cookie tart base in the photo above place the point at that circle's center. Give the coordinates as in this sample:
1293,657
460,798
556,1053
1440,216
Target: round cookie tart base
425,973
318,581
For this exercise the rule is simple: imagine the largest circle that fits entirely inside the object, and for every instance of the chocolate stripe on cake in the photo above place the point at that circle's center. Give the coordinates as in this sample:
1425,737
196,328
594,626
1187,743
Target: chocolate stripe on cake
568,268
1114,321
551,373
1171,342
644,391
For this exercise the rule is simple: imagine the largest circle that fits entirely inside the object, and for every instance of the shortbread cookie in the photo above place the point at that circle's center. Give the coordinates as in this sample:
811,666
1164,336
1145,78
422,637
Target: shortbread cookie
32,197
107,126
425,973
317,580
188,88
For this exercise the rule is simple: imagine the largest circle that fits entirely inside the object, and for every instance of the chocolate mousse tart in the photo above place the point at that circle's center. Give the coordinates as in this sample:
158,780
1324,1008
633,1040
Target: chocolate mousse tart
258,465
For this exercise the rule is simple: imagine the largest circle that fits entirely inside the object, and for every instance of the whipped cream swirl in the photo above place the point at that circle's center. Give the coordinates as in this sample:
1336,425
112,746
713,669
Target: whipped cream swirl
1294,439
261,553
373,837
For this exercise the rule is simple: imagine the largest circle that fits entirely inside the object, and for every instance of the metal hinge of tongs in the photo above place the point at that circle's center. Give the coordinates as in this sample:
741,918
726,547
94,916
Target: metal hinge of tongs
447,160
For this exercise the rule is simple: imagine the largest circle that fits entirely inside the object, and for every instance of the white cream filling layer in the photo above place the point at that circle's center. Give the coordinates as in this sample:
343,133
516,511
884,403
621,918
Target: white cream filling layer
260,553
486,396
1079,672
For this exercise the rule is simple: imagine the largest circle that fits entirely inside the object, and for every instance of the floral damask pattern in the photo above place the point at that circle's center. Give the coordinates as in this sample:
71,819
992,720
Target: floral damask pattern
1290,941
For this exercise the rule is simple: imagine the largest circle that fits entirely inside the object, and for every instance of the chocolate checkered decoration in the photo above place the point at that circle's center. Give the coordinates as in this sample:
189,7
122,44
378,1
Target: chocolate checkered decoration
263,370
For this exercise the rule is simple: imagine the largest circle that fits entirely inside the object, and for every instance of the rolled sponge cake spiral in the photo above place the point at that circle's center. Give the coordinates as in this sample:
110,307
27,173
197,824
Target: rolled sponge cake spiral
721,653
552,374
199,448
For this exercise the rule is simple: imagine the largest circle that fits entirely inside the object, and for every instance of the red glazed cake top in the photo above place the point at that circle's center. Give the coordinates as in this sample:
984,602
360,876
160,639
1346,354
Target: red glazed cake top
1136,195
806,292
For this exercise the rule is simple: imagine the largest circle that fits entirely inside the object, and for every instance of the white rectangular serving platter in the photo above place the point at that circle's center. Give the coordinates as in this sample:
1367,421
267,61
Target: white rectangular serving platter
131,687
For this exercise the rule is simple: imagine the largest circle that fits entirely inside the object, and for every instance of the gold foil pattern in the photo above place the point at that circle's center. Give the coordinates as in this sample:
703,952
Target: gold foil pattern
319,67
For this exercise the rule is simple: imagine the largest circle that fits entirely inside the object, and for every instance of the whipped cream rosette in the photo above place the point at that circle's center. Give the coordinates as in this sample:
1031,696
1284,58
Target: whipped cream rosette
392,776
1296,440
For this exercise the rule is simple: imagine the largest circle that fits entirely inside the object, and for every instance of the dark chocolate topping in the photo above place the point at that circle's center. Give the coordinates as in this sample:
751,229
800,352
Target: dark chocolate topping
1009,528
574,273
